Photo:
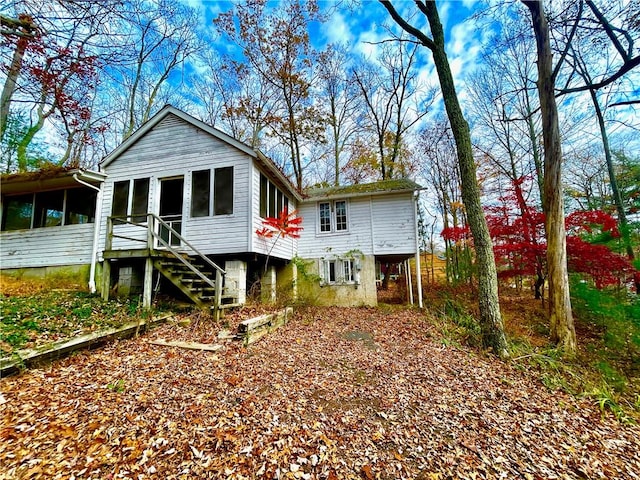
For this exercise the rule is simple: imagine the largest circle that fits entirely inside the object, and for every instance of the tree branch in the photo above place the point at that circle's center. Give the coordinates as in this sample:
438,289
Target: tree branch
424,40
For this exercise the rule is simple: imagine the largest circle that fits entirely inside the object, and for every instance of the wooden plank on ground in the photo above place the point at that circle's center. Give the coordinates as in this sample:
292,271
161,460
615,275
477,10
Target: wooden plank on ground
253,329
209,347
26,358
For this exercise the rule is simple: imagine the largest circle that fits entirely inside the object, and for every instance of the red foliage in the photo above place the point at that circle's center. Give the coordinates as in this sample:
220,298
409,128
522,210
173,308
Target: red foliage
520,248
284,225
456,234
603,265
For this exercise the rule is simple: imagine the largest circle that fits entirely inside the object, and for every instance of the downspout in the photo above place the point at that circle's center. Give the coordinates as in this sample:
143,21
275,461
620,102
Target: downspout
96,232
418,266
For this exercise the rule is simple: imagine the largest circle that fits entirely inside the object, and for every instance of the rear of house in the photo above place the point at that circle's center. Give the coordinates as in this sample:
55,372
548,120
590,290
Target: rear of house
349,233
178,205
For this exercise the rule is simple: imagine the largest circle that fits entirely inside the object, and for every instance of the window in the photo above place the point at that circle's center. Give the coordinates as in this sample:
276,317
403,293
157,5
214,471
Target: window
333,216
139,200
140,204
338,271
272,199
120,199
325,217
81,206
200,193
72,206
223,191
17,212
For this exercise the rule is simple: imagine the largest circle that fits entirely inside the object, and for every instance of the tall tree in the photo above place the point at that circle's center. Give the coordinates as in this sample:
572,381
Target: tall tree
490,317
395,100
276,45
160,37
339,90
560,315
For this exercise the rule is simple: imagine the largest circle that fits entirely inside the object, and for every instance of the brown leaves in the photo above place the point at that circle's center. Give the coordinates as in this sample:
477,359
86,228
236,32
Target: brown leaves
307,402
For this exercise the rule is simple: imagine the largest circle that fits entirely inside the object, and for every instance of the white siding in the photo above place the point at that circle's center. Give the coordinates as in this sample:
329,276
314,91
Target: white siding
50,246
284,247
394,224
176,148
377,225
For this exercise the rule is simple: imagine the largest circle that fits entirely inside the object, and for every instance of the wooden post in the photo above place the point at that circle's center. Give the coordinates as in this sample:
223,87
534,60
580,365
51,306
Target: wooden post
409,280
106,279
106,266
218,299
148,283
150,227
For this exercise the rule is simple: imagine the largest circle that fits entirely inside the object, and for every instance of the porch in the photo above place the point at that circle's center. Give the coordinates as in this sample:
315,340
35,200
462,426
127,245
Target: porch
163,249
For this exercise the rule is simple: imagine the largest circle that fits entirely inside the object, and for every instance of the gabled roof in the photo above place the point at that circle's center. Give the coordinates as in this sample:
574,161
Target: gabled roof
167,110
363,189
51,178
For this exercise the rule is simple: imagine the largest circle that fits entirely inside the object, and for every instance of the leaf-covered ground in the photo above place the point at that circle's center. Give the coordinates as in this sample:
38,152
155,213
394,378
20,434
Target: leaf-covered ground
336,393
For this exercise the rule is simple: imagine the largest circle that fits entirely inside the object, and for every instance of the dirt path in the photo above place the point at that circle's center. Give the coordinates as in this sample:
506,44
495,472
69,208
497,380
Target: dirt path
337,393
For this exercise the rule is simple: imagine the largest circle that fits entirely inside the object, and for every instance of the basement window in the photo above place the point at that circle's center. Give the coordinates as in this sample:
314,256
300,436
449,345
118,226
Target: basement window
339,271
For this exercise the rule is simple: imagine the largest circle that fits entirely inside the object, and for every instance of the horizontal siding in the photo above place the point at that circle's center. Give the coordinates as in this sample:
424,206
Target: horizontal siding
43,247
176,148
284,247
394,224
358,237
378,225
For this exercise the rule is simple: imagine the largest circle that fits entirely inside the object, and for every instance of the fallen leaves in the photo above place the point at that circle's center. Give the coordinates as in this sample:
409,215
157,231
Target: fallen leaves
311,401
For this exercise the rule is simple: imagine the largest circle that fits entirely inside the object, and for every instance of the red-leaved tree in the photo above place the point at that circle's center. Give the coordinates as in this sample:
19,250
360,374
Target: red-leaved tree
517,231
285,225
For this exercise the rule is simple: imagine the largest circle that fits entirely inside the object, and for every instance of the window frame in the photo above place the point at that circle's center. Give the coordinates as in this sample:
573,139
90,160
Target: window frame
336,271
133,212
335,225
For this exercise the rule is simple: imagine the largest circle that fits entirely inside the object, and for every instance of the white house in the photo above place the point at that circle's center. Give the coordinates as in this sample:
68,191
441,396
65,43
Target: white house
350,230
181,201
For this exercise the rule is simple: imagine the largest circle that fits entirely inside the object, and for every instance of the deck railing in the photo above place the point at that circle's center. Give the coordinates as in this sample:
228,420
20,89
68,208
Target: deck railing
182,252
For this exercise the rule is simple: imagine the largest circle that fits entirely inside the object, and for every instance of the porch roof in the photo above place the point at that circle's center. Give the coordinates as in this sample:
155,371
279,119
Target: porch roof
48,179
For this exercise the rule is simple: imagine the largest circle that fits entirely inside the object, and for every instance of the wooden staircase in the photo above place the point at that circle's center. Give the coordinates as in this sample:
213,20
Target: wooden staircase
200,279
196,280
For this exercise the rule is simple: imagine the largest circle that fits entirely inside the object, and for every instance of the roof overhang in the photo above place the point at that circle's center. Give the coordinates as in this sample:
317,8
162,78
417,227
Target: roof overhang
261,159
44,180
385,187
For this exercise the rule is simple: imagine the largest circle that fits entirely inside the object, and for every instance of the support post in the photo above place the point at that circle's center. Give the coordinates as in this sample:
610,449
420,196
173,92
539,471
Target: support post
106,279
148,283
218,299
409,282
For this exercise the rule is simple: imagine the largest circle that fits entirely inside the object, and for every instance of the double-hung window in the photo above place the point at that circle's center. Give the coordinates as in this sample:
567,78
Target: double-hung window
333,216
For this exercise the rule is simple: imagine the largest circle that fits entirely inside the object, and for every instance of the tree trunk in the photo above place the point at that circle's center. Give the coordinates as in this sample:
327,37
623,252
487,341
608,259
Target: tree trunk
490,318
561,319
10,84
617,196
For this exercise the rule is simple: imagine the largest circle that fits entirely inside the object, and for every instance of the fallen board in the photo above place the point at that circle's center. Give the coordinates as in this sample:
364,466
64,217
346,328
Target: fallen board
209,347
26,358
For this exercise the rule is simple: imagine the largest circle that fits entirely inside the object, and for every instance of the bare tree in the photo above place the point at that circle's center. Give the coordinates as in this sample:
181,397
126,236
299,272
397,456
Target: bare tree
490,317
395,101
338,89
276,45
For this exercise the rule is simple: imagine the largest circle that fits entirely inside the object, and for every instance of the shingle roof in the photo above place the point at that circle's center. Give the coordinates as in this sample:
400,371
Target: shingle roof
375,188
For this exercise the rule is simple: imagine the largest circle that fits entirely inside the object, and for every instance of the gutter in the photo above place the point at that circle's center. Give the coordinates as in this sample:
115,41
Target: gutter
96,230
